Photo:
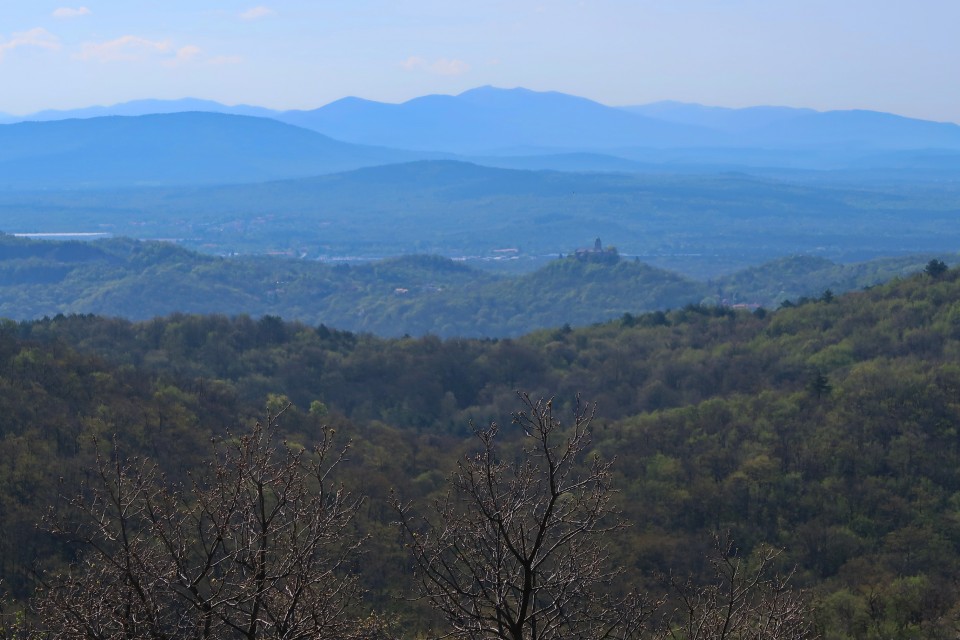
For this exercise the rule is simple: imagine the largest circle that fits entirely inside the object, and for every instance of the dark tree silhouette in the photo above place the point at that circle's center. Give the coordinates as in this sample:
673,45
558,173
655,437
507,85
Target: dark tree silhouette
515,550
819,385
935,268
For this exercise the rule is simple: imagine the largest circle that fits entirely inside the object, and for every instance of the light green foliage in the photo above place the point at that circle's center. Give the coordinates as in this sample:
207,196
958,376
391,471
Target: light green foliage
708,412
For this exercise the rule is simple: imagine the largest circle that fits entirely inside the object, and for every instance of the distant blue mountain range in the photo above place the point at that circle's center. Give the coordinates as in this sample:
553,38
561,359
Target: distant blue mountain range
173,148
201,141
488,120
722,119
141,108
496,121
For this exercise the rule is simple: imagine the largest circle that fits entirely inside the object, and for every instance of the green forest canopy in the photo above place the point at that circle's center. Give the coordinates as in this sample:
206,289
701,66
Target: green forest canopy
828,428
413,295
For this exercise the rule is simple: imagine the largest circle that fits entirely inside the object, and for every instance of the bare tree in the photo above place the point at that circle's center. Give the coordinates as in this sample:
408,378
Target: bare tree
746,601
253,548
515,549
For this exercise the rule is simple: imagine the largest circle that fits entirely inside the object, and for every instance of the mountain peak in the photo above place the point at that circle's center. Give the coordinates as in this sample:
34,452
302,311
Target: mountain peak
489,94
489,89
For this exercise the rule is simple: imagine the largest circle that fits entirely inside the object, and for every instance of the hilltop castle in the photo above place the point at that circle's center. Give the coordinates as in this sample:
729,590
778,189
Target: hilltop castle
598,253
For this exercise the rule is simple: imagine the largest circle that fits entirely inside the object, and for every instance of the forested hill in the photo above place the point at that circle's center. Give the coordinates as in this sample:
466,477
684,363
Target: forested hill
829,428
413,295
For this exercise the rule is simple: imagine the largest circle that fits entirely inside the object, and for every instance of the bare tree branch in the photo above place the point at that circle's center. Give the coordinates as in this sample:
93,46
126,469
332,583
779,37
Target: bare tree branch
515,550
253,548
746,601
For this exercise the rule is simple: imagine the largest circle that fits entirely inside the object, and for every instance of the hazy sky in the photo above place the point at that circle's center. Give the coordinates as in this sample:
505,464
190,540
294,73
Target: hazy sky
889,55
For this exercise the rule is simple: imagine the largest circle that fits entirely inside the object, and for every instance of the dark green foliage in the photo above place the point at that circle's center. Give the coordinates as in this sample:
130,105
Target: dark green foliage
935,268
790,278
411,295
710,413
819,385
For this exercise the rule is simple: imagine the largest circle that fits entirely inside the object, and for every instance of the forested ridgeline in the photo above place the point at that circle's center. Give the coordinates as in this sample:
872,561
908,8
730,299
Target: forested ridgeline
829,429
412,295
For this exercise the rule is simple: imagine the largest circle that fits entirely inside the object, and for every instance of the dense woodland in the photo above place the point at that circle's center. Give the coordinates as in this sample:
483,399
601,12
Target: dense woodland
412,295
827,427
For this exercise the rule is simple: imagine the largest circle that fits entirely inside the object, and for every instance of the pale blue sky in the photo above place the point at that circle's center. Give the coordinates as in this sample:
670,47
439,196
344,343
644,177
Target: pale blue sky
889,55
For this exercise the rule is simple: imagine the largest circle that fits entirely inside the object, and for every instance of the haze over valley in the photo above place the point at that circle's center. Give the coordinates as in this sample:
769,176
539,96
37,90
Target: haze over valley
491,174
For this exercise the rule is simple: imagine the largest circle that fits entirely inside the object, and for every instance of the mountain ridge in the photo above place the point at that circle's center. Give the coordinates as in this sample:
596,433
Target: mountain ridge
490,120
172,148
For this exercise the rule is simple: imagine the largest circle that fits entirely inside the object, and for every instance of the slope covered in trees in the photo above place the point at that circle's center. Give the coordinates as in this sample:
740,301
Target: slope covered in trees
828,429
413,295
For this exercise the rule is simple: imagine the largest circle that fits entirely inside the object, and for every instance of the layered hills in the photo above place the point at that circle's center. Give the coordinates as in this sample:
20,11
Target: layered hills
739,390
491,125
702,225
413,295
661,180
519,121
